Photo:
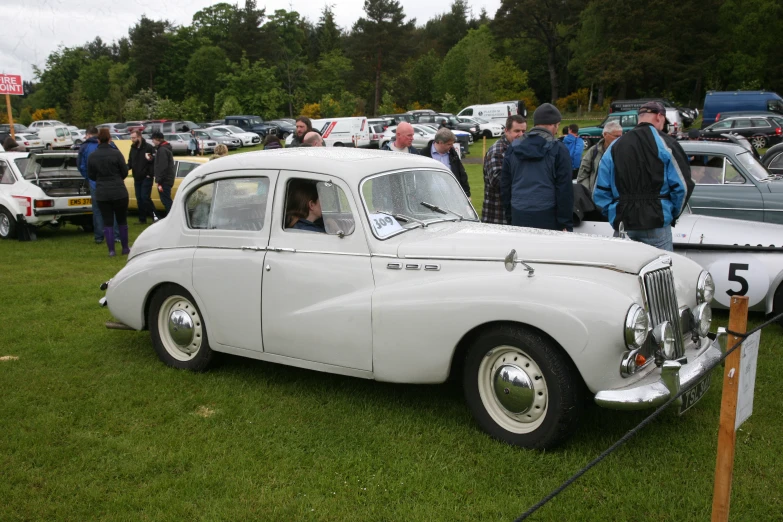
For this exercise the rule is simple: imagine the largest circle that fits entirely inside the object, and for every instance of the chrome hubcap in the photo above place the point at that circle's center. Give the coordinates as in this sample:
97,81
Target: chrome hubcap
513,389
758,143
181,328
5,225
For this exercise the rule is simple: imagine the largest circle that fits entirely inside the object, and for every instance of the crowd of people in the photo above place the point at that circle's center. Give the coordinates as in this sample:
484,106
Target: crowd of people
639,181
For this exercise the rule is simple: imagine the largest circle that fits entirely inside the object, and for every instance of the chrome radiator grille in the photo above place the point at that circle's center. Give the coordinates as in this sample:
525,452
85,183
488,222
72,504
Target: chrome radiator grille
662,303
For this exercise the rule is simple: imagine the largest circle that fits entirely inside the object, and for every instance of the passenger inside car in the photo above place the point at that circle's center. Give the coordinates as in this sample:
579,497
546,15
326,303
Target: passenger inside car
303,208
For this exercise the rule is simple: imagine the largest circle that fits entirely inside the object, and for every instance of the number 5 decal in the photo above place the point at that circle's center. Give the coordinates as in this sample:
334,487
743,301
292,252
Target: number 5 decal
733,269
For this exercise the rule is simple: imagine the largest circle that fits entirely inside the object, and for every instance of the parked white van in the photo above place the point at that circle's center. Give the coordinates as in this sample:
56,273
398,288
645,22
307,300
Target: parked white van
341,132
495,112
58,137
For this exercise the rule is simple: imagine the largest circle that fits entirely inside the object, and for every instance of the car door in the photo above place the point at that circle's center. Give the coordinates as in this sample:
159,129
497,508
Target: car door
716,129
231,215
318,286
723,190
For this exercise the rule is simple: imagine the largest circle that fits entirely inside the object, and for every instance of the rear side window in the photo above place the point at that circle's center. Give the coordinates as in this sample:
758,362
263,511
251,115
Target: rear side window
759,122
229,204
184,168
742,123
6,176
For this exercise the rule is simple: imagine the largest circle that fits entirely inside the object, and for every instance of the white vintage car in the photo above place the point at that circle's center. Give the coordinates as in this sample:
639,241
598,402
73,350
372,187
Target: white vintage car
405,285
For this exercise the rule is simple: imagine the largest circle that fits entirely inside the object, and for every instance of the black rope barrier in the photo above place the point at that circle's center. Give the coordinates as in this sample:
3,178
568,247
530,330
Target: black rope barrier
625,438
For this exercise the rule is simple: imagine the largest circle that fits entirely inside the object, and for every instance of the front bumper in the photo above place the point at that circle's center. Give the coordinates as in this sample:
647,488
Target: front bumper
659,385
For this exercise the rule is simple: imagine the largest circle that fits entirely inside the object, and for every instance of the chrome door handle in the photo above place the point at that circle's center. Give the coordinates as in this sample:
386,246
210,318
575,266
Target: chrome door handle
279,249
255,248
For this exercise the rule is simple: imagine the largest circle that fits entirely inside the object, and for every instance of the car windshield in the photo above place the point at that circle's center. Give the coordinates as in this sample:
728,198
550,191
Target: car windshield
752,165
255,121
231,128
399,201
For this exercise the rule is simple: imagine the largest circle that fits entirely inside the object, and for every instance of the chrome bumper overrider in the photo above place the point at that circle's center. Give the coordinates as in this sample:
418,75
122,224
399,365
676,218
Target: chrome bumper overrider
657,387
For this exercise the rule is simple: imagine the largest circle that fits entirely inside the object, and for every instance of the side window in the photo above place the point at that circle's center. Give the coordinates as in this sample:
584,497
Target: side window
742,123
467,112
60,133
6,177
317,207
759,122
733,177
229,204
721,125
707,170
184,168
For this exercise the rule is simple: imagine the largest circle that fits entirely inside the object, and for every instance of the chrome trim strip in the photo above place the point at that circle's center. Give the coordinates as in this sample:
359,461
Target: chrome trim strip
737,208
520,261
431,268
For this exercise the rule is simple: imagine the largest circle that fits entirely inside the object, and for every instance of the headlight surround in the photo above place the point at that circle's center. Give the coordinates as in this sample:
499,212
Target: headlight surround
637,327
663,334
702,318
705,288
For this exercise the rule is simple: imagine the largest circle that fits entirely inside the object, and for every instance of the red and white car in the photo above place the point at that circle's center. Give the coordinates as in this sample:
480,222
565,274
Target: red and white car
41,189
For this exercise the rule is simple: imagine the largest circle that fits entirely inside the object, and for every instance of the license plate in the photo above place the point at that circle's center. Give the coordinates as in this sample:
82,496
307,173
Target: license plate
79,202
693,395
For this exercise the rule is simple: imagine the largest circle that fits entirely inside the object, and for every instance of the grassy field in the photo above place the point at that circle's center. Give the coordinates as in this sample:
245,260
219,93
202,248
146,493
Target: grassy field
94,427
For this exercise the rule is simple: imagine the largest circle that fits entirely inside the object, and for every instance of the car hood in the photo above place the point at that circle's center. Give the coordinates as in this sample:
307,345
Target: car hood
479,240
590,131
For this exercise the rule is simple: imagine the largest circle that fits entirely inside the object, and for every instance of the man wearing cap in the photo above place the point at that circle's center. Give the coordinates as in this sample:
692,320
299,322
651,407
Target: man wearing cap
535,184
644,180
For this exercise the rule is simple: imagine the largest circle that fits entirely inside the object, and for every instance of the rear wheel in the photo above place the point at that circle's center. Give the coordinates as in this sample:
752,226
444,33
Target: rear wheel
7,224
338,144
777,303
586,140
759,142
522,388
178,331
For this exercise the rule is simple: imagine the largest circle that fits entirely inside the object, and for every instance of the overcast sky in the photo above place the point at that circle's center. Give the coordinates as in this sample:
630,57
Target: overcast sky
34,28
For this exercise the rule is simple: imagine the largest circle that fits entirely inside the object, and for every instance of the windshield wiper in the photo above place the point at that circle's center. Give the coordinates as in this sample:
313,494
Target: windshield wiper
402,217
439,210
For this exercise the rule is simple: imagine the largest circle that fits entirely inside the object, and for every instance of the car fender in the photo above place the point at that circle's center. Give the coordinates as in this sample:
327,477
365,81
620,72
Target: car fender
417,325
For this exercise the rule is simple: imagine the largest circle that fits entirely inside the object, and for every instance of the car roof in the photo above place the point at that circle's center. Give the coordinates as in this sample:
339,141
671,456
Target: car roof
712,146
623,113
349,164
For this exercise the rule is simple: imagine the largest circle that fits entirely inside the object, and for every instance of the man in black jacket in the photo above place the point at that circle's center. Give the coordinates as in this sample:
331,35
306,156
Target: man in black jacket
140,162
442,149
163,168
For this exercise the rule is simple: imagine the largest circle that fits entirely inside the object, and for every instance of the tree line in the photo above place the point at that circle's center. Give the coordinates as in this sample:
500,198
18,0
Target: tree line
579,54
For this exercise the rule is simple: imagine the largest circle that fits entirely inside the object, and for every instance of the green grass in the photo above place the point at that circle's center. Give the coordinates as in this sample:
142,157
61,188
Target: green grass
94,427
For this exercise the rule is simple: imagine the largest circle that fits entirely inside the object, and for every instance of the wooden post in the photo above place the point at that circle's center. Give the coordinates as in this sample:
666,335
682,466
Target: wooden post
724,467
10,117
483,147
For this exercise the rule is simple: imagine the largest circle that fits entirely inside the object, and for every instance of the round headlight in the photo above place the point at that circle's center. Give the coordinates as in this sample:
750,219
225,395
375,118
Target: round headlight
636,327
663,334
705,288
703,318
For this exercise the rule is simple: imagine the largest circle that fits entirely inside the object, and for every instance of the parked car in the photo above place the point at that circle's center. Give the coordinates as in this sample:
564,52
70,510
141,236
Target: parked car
731,182
5,128
486,128
42,124
777,118
246,139
285,126
182,167
211,134
254,124
773,160
55,137
451,122
376,133
78,136
30,141
743,257
628,120
529,350
38,189
179,143
717,102
114,128
396,119
169,127
761,132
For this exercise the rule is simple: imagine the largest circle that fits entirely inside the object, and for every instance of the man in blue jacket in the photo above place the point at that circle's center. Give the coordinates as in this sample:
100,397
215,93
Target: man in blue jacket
535,184
644,180
575,146
85,149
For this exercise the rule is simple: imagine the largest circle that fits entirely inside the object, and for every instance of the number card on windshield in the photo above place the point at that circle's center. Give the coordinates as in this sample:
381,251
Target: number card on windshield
384,225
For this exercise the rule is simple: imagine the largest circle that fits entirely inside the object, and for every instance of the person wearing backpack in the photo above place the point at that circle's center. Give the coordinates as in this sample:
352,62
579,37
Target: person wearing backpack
588,170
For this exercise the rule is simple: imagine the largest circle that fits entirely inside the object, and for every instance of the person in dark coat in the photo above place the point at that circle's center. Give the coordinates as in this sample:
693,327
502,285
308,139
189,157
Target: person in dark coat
140,163
89,146
535,184
10,145
271,142
442,149
107,168
163,168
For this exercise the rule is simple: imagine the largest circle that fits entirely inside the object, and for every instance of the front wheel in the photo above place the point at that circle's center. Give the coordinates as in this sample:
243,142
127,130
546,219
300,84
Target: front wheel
522,388
178,331
759,142
586,141
7,224
487,134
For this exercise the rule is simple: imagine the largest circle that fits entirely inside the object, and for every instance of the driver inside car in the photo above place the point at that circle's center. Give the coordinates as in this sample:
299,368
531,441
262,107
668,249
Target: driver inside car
303,210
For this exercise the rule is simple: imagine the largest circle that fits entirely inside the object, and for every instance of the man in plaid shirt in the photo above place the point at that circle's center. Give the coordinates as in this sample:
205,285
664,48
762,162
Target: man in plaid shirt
493,211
